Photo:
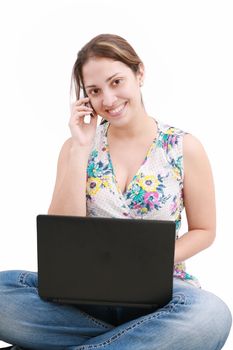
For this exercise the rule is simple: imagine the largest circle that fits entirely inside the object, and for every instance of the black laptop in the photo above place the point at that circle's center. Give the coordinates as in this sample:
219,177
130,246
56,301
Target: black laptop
105,261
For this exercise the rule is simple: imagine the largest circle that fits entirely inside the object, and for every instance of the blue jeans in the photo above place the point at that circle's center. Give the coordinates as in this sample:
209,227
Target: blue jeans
193,320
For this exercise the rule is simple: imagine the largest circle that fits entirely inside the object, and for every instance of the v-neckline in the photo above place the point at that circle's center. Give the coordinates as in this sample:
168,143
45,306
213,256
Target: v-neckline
153,144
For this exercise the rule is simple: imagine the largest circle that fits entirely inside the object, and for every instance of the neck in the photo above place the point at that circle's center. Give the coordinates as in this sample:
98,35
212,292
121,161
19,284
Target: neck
137,127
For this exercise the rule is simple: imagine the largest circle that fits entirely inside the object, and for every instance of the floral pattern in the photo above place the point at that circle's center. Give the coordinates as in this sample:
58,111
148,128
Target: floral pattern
146,193
155,192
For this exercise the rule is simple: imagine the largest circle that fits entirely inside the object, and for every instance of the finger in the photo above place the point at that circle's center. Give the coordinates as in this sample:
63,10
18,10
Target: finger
81,101
76,119
81,109
82,112
79,121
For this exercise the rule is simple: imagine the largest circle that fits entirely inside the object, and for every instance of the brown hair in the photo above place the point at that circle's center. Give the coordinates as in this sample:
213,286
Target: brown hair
106,46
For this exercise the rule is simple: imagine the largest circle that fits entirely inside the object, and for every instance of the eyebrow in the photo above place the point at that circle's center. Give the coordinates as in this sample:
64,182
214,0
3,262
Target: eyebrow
88,86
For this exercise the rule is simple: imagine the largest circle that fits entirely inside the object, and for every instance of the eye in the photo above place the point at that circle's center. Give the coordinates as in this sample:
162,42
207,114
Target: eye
94,92
117,81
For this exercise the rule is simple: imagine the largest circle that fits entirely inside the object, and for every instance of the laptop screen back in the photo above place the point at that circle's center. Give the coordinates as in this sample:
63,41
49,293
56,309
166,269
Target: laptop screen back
107,261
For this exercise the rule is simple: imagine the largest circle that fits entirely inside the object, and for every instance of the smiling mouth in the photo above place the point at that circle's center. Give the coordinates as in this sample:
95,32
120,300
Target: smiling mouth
117,110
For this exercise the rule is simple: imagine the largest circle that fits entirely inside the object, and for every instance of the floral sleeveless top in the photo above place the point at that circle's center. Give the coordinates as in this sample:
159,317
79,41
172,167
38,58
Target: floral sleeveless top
155,192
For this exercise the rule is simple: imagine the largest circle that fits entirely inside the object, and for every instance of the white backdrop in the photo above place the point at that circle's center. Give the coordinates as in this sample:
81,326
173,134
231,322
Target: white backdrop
187,50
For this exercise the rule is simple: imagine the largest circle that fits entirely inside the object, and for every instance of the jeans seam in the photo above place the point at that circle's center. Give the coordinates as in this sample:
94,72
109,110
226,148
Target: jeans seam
167,310
22,277
94,320
21,280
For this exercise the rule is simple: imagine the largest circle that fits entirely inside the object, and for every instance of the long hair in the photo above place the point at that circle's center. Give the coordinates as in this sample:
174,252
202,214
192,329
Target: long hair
104,46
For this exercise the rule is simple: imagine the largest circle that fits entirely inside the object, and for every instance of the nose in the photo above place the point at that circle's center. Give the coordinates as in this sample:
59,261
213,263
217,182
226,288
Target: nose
109,98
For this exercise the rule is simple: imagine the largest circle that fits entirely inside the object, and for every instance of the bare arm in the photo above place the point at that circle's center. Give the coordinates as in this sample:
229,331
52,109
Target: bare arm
199,201
69,196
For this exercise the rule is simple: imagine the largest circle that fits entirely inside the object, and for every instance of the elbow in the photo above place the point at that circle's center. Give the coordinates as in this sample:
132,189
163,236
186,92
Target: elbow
211,235
50,210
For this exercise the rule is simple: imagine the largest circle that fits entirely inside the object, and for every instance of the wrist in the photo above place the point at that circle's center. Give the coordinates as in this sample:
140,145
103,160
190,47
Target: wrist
78,149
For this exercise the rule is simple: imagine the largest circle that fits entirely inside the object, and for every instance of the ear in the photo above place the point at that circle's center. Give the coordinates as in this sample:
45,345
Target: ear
141,73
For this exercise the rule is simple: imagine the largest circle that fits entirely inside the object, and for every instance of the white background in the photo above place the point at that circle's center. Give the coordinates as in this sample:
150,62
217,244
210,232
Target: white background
188,53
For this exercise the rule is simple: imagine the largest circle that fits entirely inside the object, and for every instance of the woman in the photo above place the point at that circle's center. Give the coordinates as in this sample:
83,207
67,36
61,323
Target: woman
130,166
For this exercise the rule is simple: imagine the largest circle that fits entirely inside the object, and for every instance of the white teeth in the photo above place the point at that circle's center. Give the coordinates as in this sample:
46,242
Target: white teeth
117,110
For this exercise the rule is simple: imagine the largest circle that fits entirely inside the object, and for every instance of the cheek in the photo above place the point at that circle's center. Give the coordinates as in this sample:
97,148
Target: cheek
94,102
97,104
126,92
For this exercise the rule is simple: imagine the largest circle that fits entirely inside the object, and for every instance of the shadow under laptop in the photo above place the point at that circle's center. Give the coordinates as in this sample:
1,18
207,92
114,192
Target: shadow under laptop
115,315
13,347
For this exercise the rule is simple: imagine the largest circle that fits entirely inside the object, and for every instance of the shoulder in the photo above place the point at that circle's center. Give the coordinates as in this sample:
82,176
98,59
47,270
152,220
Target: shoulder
176,141
196,162
66,146
193,148
64,152
190,143
170,138
170,130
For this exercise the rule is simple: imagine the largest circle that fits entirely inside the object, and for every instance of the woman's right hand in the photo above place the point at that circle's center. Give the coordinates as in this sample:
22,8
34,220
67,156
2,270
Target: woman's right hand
82,133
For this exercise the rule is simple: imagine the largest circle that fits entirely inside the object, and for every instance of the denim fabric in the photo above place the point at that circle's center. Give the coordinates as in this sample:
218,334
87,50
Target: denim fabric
194,320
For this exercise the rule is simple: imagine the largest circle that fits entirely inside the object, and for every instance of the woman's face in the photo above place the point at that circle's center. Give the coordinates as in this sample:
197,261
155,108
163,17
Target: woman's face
113,89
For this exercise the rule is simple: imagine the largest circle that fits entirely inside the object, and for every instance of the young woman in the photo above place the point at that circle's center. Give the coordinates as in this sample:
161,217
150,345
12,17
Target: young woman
129,166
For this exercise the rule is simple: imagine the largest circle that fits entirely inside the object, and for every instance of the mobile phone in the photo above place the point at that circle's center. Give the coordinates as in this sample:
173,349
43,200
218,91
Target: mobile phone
88,104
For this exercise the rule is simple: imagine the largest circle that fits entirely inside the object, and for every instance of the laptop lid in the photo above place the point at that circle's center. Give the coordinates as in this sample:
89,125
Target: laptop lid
105,261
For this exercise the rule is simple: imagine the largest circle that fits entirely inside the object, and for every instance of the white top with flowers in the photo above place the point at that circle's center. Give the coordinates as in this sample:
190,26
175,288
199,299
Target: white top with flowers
155,192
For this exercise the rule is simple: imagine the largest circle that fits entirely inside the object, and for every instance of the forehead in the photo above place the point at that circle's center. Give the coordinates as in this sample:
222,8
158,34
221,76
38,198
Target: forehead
97,70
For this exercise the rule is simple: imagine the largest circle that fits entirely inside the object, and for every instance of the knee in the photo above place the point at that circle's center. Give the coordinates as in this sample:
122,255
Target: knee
214,321
12,279
13,297
206,318
8,279
223,320
13,287
8,289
